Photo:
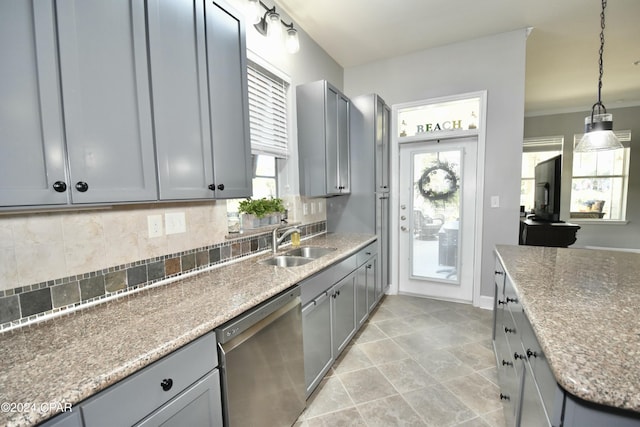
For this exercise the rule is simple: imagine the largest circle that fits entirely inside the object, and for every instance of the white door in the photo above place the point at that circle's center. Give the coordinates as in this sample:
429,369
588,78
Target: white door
437,218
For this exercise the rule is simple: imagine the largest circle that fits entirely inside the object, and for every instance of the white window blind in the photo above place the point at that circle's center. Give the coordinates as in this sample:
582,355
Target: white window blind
267,112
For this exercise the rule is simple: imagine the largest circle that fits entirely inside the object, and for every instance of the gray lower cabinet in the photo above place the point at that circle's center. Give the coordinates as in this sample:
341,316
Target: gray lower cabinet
336,302
317,340
181,389
323,139
529,391
344,316
199,86
67,419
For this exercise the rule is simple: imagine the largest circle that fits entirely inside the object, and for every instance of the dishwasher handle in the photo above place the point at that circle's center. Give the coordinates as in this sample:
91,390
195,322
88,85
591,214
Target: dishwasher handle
256,316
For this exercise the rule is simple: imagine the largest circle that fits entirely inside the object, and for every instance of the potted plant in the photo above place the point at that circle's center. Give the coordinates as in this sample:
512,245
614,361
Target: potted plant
260,212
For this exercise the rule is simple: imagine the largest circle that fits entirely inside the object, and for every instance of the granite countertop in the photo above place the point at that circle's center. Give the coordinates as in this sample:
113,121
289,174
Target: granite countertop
69,358
583,307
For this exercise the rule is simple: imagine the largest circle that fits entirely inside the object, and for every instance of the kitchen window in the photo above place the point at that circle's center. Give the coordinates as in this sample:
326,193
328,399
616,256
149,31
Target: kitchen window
600,182
268,124
534,151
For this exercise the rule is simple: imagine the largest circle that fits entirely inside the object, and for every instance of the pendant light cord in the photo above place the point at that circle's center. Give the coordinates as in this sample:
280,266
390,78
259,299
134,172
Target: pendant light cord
600,63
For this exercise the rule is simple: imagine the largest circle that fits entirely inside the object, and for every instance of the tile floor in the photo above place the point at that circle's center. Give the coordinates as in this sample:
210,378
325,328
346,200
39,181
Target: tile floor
417,362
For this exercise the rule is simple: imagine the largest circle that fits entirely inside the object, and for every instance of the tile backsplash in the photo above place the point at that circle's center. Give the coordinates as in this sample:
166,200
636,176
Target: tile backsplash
53,261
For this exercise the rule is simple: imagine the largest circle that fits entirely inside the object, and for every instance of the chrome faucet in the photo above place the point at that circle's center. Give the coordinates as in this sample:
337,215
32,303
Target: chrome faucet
275,240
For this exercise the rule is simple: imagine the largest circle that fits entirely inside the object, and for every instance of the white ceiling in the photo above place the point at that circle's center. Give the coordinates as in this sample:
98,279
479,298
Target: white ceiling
562,50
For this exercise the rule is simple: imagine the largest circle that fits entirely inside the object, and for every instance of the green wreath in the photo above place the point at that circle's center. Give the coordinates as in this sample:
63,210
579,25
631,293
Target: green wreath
438,182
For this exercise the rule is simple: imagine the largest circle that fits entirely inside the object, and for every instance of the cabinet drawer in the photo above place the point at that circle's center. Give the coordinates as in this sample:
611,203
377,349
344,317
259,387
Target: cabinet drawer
137,396
315,285
366,253
499,276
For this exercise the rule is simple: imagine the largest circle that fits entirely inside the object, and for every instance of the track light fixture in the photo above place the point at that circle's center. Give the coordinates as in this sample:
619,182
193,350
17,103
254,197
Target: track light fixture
270,25
598,127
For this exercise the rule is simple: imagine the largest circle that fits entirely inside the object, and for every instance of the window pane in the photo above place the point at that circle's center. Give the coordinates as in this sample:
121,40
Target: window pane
605,162
529,162
585,164
597,197
265,166
264,187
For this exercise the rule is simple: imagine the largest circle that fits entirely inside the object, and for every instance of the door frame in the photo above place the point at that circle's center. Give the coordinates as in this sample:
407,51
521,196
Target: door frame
394,175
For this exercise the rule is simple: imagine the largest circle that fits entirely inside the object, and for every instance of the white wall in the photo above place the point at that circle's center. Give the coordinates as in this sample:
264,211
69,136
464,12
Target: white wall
495,64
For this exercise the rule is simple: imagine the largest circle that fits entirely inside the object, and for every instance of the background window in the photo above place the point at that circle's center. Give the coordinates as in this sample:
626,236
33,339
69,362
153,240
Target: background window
265,182
599,182
535,150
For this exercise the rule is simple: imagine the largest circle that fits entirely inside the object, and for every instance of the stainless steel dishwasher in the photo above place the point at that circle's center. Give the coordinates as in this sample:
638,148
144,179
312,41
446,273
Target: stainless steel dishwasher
262,364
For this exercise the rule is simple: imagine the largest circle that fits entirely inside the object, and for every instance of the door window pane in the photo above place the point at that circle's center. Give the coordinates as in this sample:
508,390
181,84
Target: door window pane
436,215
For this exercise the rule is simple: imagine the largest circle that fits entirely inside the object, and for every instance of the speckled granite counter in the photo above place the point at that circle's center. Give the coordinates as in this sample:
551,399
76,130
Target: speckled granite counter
584,306
70,358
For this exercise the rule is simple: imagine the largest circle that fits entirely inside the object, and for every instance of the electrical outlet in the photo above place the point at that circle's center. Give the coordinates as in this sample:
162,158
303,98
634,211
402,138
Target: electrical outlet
305,208
154,223
175,222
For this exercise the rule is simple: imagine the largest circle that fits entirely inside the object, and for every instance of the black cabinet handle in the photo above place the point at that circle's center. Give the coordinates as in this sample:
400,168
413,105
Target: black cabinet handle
509,331
220,187
531,354
504,397
60,186
82,186
166,384
505,363
512,300
517,356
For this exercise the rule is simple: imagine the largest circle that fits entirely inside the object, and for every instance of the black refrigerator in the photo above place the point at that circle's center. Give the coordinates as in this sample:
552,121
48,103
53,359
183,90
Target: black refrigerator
366,208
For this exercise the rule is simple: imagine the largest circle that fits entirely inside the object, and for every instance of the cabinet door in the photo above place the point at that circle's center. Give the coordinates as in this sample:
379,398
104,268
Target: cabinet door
105,87
382,135
331,145
316,335
180,104
344,318
532,412
229,101
374,291
362,291
199,405
66,419
31,134
344,176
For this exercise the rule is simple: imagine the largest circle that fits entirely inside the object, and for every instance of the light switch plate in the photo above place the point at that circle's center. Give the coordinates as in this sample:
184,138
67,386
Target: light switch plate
154,223
175,222
495,201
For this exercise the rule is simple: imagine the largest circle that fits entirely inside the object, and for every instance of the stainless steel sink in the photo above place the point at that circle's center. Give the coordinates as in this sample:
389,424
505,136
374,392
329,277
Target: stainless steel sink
286,261
309,252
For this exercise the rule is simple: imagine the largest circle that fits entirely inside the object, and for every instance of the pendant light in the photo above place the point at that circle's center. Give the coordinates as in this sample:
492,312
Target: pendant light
598,127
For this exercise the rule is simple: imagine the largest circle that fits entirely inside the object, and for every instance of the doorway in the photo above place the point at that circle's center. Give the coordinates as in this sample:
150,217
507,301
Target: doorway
437,218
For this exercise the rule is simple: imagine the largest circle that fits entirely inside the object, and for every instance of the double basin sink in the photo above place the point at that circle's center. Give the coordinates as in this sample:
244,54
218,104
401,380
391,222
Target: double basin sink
298,256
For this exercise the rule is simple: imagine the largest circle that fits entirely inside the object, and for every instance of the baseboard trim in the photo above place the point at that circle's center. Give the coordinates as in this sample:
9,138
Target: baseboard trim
486,302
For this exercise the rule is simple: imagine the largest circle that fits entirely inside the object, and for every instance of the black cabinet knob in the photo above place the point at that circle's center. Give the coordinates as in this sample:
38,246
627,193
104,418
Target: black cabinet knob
504,397
531,354
512,300
212,187
60,186
82,186
369,266
500,302
499,273
220,187
166,384
517,356
505,363
509,331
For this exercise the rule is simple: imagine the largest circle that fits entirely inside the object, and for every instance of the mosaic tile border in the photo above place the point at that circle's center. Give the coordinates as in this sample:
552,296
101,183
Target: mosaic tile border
28,303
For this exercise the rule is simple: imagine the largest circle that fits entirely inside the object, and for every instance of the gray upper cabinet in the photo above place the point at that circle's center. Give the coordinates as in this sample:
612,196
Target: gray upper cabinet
323,139
382,138
105,88
31,131
229,101
199,85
